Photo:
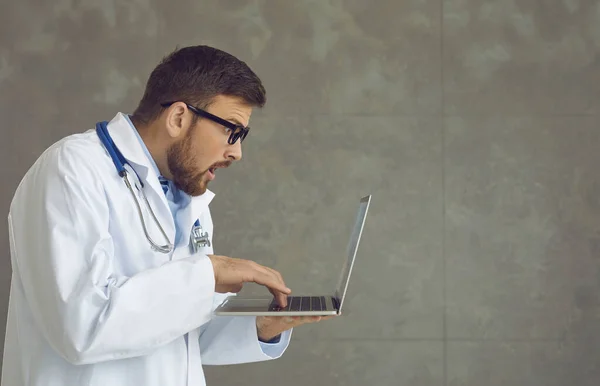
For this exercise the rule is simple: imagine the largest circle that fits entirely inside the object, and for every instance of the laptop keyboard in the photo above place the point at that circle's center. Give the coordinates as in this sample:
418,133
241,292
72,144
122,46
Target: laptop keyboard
301,303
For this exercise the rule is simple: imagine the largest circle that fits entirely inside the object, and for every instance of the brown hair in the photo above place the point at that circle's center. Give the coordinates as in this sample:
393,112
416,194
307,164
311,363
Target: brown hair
196,75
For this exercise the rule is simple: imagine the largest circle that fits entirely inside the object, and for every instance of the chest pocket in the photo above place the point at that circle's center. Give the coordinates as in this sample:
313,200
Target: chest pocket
201,231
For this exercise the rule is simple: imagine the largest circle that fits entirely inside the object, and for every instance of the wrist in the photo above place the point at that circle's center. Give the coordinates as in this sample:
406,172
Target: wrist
264,333
273,340
267,336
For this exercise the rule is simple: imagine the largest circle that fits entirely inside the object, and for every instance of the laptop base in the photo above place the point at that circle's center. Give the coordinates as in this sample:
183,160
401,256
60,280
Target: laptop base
238,306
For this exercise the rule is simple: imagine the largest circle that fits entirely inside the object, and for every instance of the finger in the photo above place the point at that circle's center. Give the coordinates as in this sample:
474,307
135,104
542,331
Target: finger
295,321
300,320
276,273
270,281
312,319
281,298
270,278
252,271
271,271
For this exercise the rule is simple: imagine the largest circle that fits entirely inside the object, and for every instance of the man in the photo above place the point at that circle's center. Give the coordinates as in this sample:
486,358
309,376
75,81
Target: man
100,297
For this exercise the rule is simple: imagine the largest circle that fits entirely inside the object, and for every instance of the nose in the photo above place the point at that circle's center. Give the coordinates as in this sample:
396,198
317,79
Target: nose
234,152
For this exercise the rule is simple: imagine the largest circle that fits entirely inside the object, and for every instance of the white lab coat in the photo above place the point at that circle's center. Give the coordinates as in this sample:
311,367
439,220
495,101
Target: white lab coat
91,303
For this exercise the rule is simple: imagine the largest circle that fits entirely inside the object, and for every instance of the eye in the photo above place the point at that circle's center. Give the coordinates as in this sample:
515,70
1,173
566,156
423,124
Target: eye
227,130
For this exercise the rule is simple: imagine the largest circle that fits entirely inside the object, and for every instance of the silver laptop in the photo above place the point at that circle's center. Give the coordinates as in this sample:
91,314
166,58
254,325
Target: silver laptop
329,304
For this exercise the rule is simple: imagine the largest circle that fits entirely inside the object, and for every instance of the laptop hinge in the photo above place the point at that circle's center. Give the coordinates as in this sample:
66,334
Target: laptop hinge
336,302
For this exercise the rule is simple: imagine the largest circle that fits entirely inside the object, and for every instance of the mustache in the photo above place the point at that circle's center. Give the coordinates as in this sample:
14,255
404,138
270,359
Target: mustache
224,164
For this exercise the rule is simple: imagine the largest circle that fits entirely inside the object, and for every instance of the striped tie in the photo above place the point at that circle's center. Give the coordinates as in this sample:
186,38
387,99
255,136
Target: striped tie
164,184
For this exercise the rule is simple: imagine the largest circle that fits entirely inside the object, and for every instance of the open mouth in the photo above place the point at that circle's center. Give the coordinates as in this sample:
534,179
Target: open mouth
213,170
211,173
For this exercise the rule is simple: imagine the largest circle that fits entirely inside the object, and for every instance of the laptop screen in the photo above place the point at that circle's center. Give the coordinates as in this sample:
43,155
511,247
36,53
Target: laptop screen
359,223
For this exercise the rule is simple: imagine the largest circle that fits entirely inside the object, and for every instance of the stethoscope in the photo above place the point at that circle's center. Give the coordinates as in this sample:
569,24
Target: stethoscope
198,238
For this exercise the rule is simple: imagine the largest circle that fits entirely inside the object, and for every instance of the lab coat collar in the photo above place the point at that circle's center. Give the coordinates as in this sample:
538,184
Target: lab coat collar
124,137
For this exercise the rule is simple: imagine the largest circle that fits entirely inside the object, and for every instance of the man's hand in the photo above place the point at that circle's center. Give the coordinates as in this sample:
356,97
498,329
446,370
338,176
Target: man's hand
231,274
268,327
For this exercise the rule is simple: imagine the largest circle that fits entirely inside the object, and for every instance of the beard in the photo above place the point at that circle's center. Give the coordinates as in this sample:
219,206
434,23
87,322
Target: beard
181,161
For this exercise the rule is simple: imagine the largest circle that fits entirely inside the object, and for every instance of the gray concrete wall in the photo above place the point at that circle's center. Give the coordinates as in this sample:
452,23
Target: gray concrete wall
474,125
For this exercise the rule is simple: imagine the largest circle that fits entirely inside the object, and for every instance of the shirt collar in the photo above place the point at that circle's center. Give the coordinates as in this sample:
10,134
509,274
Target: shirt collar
142,144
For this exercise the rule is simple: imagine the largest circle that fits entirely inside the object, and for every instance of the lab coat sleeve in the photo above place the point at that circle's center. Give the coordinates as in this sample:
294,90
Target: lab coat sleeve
227,340
63,255
233,339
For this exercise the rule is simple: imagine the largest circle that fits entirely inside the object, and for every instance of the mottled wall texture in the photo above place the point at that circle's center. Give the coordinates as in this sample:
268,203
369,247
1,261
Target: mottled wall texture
474,124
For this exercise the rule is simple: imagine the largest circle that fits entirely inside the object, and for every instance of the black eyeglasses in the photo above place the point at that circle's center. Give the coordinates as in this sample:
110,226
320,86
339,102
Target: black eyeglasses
237,131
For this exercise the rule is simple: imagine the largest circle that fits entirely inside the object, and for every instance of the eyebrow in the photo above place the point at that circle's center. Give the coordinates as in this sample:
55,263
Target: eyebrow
235,121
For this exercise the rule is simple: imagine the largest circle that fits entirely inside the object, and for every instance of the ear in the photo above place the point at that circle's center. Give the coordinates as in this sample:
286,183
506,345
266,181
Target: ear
178,119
